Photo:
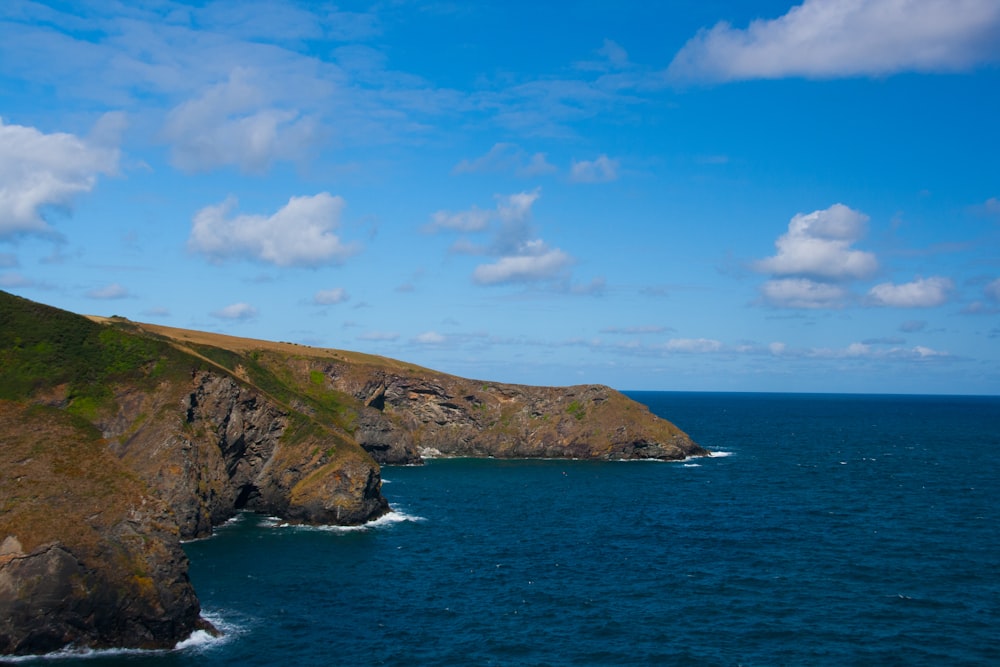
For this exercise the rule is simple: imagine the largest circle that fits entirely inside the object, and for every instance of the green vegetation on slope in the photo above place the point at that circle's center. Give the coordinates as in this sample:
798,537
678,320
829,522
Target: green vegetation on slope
43,347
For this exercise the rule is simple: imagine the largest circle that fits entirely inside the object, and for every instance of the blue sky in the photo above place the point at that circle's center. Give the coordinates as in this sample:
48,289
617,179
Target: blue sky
712,195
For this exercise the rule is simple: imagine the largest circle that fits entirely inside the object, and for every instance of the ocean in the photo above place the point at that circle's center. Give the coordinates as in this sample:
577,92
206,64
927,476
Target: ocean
826,530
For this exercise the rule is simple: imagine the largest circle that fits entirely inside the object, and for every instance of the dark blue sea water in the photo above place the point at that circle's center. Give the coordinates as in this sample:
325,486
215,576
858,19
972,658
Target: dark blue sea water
833,530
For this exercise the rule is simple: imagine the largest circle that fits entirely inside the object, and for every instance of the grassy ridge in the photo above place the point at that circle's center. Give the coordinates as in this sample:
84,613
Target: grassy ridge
43,347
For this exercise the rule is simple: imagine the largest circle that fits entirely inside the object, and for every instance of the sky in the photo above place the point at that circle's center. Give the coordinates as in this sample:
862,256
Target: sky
709,195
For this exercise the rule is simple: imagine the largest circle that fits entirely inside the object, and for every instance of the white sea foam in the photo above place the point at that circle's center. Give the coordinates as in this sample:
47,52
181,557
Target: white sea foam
719,455
389,519
199,640
692,465
72,653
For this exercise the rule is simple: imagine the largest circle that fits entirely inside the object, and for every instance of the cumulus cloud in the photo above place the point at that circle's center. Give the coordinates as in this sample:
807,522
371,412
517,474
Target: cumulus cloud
301,233
40,172
520,257
921,293
842,38
815,257
601,170
536,262
231,123
112,291
236,311
802,293
330,297
818,245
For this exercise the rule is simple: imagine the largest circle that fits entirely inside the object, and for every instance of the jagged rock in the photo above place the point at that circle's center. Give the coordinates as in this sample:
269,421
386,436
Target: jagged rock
88,556
406,414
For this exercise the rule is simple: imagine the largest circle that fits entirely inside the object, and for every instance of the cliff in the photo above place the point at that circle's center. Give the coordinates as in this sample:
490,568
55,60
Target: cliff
119,439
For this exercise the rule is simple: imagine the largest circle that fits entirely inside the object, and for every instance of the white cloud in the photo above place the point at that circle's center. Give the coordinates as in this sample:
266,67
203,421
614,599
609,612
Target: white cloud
41,171
330,297
534,265
472,220
236,311
520,258
818,246
842,38
430,338
864,351
601,170
694,345
231,123
509,221
802,293
921,293
112,291
298,234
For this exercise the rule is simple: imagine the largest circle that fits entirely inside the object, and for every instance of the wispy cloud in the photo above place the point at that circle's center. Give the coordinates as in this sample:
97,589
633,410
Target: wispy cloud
844,38
330,297
301,233
234,123
112,291
599,170
520,257
430,338
506,157
236,311
13,280
379,336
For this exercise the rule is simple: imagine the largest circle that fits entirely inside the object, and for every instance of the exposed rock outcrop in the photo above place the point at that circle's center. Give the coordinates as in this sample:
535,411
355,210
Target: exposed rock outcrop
117,440
88,556
405,416
216,445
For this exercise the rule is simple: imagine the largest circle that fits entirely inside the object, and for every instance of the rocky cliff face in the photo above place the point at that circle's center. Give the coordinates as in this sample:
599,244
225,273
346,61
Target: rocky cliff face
117,440
87,555
404,417
215,445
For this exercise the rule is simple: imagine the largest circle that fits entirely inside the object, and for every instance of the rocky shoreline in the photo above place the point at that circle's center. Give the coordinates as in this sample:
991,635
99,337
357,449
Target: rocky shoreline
118,440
